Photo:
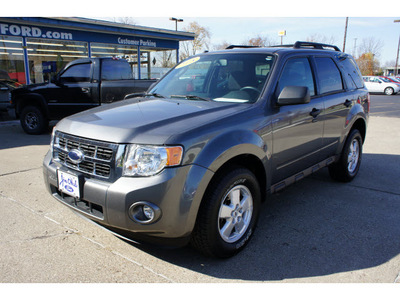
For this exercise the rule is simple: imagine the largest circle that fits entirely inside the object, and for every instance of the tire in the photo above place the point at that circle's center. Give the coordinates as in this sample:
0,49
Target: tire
228,214
33,120
389,91
346,169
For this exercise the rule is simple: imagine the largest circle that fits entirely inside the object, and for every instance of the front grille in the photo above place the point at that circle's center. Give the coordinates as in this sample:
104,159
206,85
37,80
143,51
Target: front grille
99,157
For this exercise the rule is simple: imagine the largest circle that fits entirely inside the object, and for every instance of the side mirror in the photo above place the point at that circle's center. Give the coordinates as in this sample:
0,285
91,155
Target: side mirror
54,79
292,95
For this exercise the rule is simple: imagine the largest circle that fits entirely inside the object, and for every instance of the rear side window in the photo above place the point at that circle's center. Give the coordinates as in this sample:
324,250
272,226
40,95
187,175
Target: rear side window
353,72
329,76
115,70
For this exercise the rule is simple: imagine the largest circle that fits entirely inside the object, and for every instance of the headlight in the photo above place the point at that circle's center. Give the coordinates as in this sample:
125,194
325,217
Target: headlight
149,160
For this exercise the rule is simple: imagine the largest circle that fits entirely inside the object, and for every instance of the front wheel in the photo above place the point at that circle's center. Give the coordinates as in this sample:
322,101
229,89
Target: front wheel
33,120
347,167
228,214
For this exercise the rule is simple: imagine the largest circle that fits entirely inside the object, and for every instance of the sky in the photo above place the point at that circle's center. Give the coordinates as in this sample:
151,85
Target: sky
240,29
237,21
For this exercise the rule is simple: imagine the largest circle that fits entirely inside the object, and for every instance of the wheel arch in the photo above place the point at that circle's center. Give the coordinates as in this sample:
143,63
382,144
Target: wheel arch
31,100
361,126
250,162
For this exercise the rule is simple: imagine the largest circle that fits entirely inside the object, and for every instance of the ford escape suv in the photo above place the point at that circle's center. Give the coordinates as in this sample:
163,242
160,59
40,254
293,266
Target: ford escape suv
192,160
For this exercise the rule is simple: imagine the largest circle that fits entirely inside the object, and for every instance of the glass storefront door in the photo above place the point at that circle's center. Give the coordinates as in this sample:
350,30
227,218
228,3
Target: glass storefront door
12,66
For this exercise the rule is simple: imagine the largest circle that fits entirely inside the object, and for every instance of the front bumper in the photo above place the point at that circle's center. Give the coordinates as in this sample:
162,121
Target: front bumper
176,191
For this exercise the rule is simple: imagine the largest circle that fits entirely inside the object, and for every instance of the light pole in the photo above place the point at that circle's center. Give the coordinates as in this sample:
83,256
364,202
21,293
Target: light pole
176,22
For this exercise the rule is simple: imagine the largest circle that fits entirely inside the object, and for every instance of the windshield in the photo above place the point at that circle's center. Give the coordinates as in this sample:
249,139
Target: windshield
219,77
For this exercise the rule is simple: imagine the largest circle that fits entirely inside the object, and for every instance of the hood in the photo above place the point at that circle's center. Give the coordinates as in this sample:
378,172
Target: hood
30,87
145,121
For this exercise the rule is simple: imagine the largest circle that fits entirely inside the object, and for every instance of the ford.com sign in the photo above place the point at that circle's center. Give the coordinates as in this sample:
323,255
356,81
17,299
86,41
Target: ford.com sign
31,31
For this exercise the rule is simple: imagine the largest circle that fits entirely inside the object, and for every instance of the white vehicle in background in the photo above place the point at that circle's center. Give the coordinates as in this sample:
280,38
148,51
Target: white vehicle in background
376,84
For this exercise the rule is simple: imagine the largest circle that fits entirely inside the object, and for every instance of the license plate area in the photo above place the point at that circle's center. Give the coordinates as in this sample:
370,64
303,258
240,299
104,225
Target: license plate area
69,184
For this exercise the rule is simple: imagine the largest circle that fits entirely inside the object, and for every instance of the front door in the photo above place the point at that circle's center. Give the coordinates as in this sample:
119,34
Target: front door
297,129
73,92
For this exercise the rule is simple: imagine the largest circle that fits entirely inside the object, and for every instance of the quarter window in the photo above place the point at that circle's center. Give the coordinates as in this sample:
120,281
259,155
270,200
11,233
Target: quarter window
329,76
351,68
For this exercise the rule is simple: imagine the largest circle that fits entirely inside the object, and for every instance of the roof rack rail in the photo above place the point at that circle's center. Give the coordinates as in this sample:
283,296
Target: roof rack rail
299,45
241,46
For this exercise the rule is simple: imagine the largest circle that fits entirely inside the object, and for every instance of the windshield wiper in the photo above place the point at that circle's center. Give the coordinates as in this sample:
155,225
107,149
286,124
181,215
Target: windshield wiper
190,97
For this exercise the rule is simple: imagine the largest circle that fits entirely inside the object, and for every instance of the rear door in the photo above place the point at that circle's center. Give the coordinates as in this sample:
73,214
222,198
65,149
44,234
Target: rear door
338,101
297,129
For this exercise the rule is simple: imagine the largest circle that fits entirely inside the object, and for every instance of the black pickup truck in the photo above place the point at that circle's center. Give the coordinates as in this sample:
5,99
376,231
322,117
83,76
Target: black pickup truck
82,84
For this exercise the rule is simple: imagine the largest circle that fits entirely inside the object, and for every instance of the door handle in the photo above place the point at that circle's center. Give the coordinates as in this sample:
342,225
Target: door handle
347,103
86,90
315,112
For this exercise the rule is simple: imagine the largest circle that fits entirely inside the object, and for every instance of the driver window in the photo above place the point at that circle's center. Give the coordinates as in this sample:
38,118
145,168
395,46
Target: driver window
77,73
297,72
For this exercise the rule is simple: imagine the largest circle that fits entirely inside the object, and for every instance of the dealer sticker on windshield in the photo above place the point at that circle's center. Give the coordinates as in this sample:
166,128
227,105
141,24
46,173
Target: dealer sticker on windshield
68,184
187,62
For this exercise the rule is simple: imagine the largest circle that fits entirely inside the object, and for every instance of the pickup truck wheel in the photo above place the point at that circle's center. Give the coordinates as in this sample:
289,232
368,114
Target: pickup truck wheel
33,121
228,214
347,167
389,91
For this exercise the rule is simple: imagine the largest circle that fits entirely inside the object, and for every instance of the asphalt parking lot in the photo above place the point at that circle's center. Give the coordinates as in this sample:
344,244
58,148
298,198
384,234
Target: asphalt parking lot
315,231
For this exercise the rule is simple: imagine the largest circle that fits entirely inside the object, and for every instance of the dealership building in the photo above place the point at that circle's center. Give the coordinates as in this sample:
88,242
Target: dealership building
34,49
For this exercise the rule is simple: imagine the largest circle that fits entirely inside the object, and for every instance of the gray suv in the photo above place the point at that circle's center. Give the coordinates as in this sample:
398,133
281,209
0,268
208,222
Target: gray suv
192,160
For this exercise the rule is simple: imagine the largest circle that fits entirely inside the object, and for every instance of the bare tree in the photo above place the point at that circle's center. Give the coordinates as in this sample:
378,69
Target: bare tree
260,41
221,46
320,38
125,20
200,42
371,45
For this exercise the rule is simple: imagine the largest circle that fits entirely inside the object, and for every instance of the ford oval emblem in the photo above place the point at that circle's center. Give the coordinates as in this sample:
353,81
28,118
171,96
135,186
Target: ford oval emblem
76,156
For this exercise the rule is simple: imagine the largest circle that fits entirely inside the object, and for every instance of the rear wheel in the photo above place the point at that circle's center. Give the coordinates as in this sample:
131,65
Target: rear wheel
33,120
228,214
389,91
347,167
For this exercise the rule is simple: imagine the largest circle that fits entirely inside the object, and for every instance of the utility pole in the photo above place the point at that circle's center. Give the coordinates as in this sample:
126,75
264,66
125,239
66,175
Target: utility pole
396,71
345,34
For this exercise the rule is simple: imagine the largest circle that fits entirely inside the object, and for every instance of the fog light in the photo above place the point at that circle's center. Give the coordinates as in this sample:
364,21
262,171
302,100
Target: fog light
144,212
148,212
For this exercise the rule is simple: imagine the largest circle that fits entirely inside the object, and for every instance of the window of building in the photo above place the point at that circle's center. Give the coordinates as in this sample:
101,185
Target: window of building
155,63
329,76
12,67
48,57
120,51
